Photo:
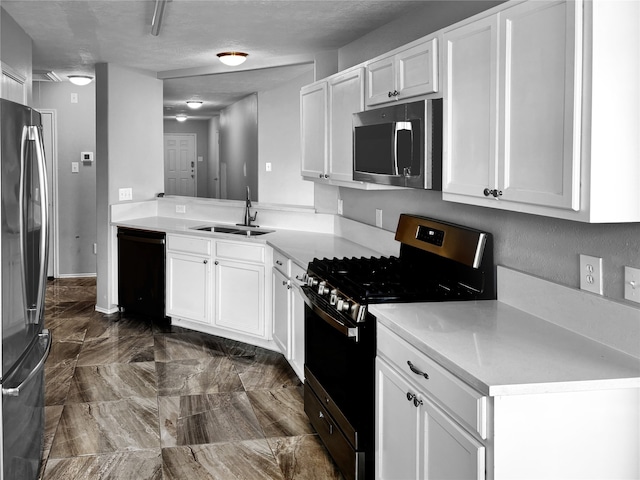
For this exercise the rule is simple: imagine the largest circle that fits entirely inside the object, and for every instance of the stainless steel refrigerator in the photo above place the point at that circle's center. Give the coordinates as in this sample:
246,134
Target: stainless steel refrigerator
24,242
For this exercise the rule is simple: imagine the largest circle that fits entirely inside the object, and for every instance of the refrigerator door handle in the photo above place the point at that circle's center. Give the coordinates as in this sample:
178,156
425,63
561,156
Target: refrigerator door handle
36,134
45,336
34,308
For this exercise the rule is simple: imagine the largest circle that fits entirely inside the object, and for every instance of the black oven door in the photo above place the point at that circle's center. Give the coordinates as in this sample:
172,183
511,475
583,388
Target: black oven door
340,383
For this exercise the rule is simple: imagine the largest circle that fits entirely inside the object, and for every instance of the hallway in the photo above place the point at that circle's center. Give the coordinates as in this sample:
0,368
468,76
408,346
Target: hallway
127,398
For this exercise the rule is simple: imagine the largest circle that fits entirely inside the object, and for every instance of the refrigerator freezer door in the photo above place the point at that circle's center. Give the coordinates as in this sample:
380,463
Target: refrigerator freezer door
23,413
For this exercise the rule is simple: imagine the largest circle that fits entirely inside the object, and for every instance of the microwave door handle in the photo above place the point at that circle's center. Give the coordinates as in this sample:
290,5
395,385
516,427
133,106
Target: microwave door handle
406,171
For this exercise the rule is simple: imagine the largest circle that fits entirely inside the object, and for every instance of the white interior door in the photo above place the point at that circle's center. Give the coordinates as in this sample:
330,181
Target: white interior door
180,164
51,156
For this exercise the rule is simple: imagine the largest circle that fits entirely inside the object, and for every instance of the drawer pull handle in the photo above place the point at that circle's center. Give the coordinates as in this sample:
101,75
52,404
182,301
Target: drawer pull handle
416,371
278,262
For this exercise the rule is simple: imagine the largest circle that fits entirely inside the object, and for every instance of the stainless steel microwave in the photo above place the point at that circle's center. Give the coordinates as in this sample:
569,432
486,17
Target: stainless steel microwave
399,145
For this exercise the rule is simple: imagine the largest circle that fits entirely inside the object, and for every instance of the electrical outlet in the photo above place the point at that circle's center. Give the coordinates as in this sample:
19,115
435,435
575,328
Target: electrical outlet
632,284
75,167
74,98
268,166
340,206
125,194
378,218
591,274
181,209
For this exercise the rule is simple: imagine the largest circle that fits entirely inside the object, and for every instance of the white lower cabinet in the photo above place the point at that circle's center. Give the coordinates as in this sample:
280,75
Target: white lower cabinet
218,286
415,439
288,311
239,297
188,278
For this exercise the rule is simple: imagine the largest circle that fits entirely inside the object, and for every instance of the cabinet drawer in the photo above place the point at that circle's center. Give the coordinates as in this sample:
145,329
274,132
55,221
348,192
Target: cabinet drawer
240,251
466,404
197,245
281,262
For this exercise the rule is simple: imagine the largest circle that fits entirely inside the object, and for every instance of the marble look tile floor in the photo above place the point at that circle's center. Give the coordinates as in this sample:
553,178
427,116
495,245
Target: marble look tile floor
130,398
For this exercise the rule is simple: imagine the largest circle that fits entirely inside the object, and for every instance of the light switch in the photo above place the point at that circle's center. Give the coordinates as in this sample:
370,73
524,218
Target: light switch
74,98
75,167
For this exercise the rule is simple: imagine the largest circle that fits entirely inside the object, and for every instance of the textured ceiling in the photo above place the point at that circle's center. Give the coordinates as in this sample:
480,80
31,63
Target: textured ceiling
71,36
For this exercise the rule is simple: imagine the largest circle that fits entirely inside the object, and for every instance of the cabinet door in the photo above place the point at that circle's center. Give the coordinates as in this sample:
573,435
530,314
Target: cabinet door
282,312
188,287
381,81
297,332
447,450
417,69
539,143
239,297
397,426
313,118
471,69
346,97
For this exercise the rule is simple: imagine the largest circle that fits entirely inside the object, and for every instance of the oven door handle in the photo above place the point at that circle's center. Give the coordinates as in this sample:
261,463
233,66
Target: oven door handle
334,322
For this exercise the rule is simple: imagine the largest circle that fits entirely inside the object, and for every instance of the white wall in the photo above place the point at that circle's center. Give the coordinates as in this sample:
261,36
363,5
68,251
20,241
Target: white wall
129,154
279,144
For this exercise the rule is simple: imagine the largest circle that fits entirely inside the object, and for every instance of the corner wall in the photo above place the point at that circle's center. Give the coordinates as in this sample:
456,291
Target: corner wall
129,154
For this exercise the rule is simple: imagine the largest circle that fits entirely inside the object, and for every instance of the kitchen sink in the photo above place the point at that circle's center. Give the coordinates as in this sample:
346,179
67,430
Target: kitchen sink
247,231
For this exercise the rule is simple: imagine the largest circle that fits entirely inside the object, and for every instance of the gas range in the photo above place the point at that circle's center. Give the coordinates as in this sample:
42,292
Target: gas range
438,261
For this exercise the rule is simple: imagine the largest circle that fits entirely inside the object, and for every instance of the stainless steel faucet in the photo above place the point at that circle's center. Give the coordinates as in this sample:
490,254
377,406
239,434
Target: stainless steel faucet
247,213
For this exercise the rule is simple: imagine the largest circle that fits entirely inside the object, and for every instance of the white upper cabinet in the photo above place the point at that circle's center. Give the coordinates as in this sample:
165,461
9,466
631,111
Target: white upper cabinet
346,97
535,106
313,127
410,72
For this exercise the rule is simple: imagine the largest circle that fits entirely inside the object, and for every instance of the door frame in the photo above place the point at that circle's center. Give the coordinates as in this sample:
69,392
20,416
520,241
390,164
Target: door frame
52,175
195,156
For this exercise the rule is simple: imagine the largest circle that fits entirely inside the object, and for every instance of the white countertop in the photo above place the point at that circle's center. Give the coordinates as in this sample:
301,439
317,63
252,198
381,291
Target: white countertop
500,350
301,247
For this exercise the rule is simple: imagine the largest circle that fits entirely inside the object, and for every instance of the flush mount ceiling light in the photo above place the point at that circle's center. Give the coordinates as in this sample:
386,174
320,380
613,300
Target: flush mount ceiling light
194,104
233,59
181,117
80,79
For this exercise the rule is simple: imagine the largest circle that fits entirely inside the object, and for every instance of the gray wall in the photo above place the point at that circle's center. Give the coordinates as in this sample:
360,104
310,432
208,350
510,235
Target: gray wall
201,130
279,144
545,247
76,192
239,147
16,49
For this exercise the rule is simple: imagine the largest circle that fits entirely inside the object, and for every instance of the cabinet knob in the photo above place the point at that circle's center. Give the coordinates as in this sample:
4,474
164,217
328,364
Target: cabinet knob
395,93
496,193
410,396
205,261
416,401
321,175
326,175
216,262
487,192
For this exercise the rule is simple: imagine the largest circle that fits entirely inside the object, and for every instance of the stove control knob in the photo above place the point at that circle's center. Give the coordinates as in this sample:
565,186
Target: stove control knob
343,305
322,288
334,297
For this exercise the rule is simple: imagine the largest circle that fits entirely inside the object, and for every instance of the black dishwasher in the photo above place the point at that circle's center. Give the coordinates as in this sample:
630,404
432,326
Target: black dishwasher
141,272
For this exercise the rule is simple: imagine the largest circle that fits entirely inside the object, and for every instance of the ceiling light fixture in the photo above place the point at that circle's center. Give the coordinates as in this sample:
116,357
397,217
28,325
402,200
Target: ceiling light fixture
194,104
233,59
80,79
181,117
156,21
